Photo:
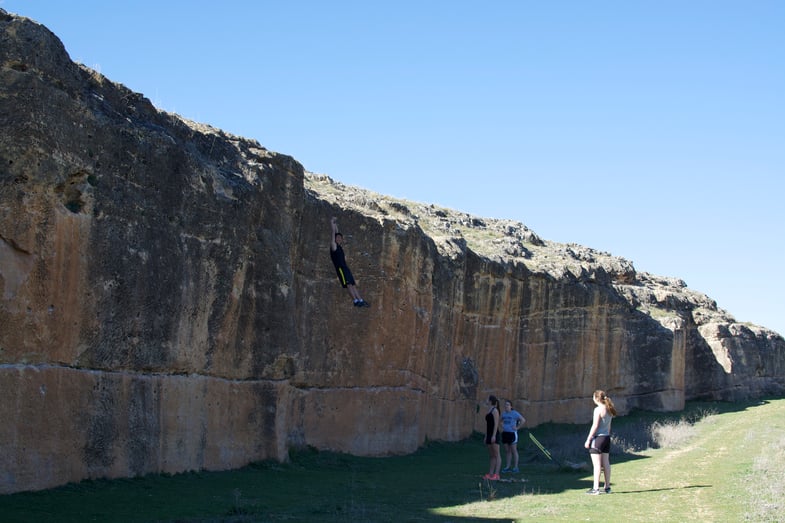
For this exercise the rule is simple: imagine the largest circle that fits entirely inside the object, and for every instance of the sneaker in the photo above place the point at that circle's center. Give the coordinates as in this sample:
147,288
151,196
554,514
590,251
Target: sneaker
495,477
607,490
506,469
593,492
487,476
358,303
515,470
364,303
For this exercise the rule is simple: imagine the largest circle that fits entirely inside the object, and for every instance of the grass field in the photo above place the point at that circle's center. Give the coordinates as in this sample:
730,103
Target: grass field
713,462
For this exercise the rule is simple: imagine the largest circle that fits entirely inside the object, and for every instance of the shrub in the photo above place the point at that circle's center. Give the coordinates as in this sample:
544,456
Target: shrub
674,433
671,434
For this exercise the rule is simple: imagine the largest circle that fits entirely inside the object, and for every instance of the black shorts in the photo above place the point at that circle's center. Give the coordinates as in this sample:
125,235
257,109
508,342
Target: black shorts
600,445
509,438
488,439
345,276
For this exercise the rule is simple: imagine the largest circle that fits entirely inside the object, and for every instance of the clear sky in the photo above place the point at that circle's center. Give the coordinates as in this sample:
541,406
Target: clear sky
653,130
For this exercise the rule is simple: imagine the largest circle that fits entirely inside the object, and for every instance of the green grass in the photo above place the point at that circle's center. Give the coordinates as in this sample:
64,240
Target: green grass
716,462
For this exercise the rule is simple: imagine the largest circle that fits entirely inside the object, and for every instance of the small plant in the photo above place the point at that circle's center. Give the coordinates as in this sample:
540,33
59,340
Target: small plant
491,491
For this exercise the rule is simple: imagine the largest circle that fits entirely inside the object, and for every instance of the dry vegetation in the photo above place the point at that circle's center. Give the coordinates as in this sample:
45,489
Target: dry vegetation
765,484
671,435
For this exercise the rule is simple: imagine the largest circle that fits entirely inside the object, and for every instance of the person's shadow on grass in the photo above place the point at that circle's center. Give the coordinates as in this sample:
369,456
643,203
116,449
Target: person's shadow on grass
659,489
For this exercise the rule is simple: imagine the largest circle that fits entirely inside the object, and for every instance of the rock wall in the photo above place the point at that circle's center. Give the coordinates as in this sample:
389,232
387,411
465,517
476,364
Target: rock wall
168,303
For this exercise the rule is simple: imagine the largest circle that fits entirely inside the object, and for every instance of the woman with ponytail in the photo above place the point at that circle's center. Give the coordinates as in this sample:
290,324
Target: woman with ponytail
599,440
493,438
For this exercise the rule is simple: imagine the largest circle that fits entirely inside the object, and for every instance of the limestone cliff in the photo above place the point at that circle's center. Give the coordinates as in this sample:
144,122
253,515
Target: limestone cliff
167,301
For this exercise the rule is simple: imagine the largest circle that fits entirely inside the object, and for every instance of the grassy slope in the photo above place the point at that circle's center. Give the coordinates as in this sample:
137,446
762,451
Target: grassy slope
707,478
704,479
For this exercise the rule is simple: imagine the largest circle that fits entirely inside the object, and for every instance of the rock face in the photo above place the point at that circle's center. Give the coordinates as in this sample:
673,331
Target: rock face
167,301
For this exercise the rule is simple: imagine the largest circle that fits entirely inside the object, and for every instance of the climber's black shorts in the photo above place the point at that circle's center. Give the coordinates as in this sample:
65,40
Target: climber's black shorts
345,276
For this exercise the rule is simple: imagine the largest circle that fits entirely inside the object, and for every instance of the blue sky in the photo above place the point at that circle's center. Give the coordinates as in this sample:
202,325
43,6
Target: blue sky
653,130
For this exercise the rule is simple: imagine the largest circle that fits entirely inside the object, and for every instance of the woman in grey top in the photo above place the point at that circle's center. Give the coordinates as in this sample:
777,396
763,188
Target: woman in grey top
599,440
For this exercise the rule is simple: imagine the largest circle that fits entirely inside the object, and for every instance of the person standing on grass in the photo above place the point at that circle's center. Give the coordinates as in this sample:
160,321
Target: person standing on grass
512,420
341,268
492,438
599,440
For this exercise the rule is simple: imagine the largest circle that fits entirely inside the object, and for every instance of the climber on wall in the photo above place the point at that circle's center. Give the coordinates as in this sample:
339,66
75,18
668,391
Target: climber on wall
339,260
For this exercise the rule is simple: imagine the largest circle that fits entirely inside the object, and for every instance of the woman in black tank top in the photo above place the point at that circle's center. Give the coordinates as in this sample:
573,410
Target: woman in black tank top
493,438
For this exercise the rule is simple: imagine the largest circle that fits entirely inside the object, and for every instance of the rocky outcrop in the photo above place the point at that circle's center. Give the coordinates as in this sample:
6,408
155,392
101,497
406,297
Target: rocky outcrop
168,303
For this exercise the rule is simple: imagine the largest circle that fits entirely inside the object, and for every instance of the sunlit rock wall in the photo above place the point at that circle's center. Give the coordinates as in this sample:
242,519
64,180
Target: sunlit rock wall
167,301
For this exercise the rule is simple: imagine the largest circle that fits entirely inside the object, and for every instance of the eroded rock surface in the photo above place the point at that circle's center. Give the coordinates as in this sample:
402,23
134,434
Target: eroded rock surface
167,302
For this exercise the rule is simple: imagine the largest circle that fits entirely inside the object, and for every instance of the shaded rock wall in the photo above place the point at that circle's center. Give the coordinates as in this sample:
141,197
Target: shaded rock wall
167,302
